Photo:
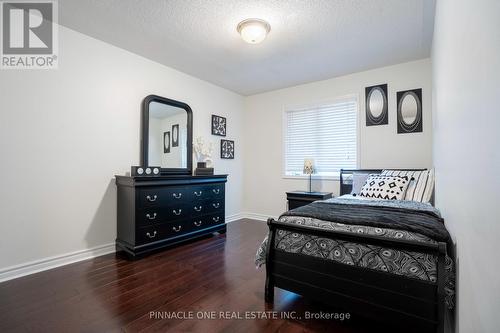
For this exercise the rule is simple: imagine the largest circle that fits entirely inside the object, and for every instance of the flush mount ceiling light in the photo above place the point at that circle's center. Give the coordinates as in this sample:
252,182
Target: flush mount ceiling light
253,31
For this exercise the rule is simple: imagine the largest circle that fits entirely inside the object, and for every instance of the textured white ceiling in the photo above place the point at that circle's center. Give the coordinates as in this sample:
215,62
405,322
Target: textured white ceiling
310,40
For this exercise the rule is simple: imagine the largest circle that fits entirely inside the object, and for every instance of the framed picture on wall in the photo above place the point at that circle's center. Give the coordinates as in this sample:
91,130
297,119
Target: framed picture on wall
227,149
409,111
218,125
376,105
175,135
166,142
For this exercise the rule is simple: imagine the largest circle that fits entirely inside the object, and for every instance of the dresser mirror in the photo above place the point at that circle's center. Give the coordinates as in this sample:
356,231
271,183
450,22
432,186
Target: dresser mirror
167,135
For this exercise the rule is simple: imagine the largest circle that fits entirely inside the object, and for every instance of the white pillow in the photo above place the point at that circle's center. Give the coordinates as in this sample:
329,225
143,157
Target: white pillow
421,183
358,180
385,187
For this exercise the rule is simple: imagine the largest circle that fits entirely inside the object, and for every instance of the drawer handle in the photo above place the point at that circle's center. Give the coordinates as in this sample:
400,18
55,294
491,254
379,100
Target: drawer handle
216,191
151,217
198,194
216,205
152,199
177,229
177,195
197,223
198,209
216,219
151,236
177,212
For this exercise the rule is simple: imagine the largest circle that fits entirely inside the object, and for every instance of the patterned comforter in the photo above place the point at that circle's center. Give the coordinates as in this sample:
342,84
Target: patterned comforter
410,264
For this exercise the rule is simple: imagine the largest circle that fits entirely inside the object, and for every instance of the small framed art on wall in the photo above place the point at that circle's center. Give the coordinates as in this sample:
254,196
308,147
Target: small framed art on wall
227,149
218,125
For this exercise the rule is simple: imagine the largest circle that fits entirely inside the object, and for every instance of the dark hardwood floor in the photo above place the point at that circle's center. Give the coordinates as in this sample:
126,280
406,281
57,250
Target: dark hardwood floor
110,293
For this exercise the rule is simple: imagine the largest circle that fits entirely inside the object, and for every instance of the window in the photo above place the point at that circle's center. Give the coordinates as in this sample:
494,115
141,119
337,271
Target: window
326,133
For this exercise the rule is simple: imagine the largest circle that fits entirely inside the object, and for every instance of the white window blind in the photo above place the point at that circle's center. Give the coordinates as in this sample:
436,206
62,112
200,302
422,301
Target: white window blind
326,133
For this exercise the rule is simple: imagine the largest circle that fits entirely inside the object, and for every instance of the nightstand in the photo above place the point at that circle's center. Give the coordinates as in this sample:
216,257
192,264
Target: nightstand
301,198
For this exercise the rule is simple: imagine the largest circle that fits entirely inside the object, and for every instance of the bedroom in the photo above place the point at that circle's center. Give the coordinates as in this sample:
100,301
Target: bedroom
257,109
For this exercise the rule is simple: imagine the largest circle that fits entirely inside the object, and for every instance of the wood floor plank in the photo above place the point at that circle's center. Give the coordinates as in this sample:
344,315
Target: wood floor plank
67,289
112,294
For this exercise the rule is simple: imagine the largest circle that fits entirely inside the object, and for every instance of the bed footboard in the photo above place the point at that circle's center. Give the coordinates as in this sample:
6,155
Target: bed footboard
395,299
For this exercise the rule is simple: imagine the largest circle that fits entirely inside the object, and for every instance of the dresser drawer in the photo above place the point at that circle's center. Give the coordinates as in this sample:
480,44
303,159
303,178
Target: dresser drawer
154,215
217,190
199,208
162,231
203,192
207,221
163,196
215,205
171,229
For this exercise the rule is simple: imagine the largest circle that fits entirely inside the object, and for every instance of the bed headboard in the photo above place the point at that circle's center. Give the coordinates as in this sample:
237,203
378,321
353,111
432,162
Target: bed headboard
346,178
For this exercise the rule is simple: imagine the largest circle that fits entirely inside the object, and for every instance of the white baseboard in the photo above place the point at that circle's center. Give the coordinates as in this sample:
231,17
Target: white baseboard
249,215
257,216
234,217
36,266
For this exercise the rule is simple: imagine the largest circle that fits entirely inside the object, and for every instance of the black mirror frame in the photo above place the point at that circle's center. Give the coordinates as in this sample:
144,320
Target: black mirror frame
145,134
383,118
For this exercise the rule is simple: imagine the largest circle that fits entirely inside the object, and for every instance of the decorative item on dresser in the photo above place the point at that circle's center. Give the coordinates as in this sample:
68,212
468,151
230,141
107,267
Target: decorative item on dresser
202,170
145,171
156,212
203,154
300,198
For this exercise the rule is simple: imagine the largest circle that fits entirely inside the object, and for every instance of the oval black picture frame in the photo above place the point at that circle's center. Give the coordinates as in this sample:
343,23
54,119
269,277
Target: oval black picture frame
417,125
145,134
383,119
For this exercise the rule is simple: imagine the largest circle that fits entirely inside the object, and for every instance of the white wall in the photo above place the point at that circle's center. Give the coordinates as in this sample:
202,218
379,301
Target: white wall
466,82
380,146
65,133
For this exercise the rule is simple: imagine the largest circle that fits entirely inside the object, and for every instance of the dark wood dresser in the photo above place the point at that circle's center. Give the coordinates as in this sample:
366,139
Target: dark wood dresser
156,212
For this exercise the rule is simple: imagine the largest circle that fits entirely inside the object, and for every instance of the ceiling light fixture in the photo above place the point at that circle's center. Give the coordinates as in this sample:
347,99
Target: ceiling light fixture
253,31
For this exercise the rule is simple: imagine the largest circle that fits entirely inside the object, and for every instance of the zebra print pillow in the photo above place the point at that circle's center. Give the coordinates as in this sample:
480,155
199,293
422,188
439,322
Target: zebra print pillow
421,183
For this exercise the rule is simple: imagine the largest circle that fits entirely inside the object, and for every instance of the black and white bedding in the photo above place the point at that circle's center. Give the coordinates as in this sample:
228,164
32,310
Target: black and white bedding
407,220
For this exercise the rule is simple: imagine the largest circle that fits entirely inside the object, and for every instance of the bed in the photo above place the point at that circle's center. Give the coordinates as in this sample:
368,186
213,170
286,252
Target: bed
384,259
